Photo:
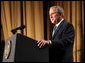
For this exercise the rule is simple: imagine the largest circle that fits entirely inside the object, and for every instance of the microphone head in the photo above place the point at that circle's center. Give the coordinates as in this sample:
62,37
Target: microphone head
18,28
22,27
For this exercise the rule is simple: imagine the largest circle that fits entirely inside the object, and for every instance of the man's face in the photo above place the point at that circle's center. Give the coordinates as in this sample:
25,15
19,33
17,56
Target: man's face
54,16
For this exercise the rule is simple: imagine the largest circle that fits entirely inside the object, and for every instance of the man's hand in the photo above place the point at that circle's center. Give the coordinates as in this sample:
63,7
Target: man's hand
42,43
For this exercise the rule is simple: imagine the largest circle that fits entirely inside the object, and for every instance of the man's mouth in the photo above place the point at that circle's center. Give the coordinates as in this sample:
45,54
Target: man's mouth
52,19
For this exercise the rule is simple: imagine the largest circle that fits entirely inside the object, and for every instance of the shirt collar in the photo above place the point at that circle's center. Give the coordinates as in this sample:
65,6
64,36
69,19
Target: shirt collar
59,22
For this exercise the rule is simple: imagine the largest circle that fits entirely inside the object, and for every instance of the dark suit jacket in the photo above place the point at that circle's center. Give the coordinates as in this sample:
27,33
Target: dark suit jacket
61,49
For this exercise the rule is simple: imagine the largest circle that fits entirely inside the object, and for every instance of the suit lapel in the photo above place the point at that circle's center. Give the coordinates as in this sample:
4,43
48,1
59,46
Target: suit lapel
57,30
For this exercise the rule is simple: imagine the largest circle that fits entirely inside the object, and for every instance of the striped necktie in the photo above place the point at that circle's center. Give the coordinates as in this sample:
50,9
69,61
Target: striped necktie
54,29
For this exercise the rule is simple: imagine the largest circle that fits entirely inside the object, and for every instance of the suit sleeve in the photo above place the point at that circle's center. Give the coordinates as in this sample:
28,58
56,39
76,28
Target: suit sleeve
67,37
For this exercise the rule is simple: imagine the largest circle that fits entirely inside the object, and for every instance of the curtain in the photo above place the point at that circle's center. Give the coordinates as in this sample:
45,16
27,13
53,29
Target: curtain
74,13
17,13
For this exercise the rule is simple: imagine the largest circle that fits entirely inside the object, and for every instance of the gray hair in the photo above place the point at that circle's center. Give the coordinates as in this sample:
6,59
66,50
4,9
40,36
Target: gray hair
58,9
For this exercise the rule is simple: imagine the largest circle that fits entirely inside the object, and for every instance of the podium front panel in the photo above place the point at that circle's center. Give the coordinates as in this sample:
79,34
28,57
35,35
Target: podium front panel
12,51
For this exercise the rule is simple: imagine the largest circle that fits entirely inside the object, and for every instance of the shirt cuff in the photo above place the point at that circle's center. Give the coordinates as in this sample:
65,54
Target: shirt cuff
50,42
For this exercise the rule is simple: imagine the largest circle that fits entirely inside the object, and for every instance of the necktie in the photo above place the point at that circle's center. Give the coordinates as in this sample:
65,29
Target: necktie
54,29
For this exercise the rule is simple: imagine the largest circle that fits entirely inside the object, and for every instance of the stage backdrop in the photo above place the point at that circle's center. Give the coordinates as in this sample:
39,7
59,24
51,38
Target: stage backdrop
32,14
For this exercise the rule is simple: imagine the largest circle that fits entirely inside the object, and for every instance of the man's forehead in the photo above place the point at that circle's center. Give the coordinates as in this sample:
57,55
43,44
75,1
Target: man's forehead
52,10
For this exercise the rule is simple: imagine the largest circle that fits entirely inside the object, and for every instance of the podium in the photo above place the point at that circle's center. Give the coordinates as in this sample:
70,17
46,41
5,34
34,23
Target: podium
20,48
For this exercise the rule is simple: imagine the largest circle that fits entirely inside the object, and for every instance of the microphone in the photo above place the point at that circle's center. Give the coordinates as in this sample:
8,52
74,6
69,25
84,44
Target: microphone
18,28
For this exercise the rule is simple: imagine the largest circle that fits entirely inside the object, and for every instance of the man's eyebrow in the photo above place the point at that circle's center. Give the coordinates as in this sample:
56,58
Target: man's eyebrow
53,12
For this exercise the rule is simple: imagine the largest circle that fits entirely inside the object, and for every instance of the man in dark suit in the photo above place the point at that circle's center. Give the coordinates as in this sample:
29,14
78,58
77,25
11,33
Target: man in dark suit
62,39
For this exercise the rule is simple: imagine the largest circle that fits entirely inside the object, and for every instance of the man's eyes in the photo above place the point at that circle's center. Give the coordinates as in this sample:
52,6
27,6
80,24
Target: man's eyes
54,13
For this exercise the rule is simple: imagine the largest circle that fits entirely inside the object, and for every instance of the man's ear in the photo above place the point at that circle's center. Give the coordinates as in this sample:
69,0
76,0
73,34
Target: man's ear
61,15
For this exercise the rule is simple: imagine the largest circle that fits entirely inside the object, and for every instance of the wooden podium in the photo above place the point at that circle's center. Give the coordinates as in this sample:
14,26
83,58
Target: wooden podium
20,48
